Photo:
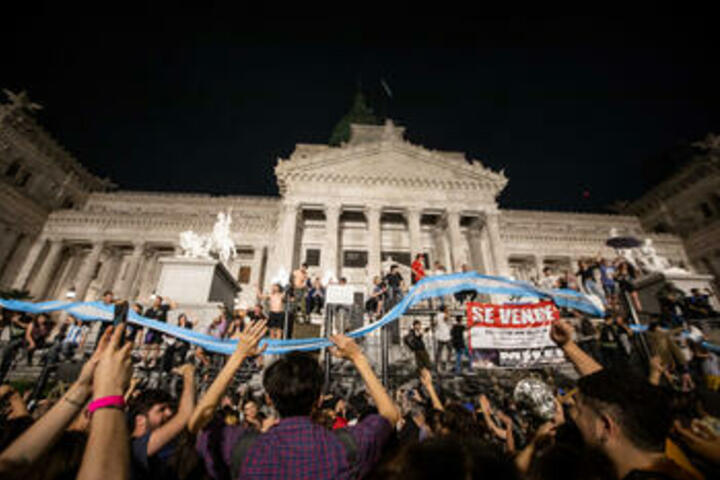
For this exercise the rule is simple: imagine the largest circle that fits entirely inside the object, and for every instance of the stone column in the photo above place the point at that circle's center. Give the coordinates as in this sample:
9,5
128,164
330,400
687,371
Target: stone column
456,240
413,219
43,277
82,281
284,258
330,252
539,265
7,243
498,250
488,263
255,268
125,289
374,240
27,266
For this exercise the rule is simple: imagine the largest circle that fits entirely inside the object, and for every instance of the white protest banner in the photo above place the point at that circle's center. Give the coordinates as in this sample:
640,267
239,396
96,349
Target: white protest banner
510,326
340,294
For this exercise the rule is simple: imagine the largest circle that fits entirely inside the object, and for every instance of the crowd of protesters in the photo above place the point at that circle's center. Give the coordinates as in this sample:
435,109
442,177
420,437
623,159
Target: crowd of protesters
611,423
631,414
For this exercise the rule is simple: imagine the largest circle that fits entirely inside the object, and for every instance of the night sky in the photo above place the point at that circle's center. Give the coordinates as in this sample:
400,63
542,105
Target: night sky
194,105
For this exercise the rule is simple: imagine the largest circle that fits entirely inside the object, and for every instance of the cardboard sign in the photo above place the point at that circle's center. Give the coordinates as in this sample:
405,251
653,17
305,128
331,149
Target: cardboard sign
510,326
340,294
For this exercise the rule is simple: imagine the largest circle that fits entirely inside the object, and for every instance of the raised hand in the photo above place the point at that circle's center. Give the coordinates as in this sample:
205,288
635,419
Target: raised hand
85,378
249,339
425,376
185,370
701,439
114,369
561,332
345,347
485,403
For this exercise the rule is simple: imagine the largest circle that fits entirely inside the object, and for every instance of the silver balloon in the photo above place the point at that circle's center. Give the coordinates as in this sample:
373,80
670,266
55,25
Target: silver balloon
537,396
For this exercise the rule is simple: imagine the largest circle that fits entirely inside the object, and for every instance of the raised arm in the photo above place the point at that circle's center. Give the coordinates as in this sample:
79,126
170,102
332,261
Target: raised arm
107,454
43,434
247,346
487,411
345,347
28,335
172,428
426,380
561,333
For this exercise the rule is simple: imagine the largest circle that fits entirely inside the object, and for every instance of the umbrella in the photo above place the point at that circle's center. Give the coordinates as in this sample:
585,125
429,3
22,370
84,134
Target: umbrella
623,242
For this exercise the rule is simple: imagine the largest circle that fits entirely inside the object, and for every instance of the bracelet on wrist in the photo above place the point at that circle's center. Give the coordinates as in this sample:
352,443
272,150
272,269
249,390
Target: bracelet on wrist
111,401
74,402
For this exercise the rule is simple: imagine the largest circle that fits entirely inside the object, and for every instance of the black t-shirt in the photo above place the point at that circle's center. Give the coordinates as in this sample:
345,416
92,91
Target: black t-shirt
414,342
393,280
155,467
457,335
159,314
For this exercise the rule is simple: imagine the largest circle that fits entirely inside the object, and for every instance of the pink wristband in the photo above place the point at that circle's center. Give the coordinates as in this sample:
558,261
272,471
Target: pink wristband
113,401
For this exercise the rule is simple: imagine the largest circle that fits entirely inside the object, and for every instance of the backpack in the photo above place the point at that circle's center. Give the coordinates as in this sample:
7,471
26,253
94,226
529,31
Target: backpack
241,448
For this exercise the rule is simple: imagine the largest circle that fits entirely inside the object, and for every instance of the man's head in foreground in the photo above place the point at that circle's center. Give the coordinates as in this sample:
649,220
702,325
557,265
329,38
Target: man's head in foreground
294,384
623,416
150,410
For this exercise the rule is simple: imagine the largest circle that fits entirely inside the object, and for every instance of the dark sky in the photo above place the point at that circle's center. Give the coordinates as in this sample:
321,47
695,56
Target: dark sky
191,104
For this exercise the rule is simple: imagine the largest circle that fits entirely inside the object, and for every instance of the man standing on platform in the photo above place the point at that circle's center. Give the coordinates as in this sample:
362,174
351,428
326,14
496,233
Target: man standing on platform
394,282
414,341
276,318
300,281
418,268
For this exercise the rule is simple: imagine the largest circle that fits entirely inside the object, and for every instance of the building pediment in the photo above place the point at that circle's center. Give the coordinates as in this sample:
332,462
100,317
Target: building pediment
386,159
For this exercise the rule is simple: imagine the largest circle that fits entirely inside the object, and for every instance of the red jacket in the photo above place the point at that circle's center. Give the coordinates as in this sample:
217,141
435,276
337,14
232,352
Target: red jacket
418,270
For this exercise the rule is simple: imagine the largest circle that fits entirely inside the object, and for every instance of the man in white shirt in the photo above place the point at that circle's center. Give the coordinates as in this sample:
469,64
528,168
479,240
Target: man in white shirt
548,280
442,336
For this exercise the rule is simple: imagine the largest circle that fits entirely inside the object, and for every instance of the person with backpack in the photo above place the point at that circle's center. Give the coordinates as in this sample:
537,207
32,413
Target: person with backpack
295,447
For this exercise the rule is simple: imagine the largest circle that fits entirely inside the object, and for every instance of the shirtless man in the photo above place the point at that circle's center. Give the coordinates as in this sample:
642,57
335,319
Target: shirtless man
276,319
300,288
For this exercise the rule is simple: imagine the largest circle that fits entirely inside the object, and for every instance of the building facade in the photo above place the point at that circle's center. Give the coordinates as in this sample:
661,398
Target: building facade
688,204
37,176
343,210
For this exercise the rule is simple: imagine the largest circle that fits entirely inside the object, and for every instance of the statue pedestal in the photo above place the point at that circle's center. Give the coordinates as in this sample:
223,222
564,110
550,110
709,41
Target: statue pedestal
199,286
649,285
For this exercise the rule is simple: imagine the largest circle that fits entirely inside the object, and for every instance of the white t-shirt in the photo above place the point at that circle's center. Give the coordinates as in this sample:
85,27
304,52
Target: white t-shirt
442,330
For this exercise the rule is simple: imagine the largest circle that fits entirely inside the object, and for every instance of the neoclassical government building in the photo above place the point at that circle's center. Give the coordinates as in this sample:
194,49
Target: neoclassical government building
343,209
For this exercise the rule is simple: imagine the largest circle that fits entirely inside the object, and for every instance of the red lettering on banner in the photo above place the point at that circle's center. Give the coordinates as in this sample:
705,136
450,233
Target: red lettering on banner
511,315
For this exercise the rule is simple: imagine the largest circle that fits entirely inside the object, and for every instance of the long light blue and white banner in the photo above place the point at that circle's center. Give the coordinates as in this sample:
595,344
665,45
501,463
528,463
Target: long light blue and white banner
429,287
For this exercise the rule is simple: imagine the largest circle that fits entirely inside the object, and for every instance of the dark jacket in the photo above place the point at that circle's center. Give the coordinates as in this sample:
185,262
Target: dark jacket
414,342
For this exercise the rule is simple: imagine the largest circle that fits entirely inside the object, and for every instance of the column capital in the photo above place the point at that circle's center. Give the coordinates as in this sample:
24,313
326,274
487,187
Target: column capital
373,210
413,213
335,207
